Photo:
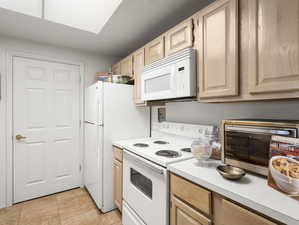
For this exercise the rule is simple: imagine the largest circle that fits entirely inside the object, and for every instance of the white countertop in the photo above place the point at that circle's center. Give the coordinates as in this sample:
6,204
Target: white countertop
251,191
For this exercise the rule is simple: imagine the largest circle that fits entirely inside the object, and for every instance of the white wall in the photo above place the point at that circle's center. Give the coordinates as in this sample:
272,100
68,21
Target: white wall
204,113
92,63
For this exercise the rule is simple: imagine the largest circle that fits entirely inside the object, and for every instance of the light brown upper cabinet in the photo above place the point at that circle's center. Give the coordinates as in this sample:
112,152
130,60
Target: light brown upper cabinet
138,66
116,68
273,46
179,37
218,50
154,50
126,66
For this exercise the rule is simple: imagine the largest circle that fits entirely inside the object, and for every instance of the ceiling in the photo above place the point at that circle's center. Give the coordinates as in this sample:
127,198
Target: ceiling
133,24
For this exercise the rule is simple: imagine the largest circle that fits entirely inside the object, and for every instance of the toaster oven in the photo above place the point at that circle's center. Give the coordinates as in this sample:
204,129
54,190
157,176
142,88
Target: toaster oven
246,142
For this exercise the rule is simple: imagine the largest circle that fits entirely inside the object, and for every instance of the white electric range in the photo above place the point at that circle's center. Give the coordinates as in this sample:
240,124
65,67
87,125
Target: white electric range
145,176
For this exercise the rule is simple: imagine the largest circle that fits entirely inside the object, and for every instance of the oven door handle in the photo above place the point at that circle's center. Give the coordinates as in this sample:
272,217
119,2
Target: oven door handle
141,162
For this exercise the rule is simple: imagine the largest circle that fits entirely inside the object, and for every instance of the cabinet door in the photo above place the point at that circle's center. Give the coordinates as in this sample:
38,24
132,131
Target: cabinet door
195,195
126,66
179,37
274,46
116,68
118,184
154,50
218,50
182,214
138,68
228,213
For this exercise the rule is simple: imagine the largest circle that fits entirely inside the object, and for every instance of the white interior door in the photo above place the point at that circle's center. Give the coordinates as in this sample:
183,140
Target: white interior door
46,113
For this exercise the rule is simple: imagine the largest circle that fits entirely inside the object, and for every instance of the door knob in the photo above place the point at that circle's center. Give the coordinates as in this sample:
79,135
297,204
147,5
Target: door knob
20,137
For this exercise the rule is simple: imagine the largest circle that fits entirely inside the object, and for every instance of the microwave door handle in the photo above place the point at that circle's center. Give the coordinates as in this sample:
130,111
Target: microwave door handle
140,162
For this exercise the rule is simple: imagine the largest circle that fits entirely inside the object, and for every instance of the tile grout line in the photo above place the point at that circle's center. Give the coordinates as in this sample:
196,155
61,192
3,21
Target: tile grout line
20,214
58,210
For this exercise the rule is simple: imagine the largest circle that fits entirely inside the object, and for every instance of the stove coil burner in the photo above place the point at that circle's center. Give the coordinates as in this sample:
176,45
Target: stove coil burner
168,153
186,149
141,145
161,142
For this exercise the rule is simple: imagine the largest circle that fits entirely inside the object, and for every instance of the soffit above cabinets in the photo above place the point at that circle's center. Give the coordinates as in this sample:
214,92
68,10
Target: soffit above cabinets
86,15
134,23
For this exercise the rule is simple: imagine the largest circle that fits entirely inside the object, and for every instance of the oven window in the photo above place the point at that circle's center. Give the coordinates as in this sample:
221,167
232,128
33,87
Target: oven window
141,182
157,84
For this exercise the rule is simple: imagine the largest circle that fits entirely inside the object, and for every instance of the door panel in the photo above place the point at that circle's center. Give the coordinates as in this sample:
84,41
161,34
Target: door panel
144,187
138,69
274,46
218,50
154,50
118,184
228,213
179,37
46,112
126,66
183,214
116,69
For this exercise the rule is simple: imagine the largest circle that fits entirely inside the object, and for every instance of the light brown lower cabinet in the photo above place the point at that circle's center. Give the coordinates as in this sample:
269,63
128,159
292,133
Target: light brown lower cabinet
118,184
186,210
183,214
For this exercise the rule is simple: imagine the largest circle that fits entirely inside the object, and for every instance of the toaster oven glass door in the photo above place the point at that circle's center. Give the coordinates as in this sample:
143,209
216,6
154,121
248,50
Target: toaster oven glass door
251,144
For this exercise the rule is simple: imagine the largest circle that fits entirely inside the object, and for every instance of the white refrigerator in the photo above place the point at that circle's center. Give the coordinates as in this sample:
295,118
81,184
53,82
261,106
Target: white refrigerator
110,115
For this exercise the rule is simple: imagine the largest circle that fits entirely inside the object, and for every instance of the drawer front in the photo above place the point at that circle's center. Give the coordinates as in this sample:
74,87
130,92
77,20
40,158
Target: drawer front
193,194
129,216
118,153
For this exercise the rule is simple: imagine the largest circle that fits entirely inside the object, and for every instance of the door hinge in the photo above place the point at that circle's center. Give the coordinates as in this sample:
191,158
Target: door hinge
80,167
80,123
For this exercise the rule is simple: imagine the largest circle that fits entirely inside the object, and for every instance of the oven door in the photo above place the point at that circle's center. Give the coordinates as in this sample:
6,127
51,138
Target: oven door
145,189
158,83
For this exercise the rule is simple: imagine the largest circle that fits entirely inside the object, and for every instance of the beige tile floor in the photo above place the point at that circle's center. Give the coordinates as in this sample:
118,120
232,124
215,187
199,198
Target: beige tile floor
74,207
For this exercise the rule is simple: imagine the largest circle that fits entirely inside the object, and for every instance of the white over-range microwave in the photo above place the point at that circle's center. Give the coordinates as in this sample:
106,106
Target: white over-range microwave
170,78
